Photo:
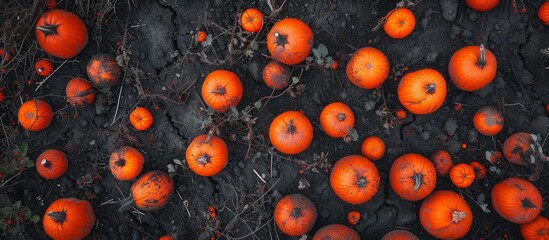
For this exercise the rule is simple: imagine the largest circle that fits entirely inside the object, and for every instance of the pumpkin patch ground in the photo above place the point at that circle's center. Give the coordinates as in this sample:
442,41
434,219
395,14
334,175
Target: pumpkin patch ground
155,55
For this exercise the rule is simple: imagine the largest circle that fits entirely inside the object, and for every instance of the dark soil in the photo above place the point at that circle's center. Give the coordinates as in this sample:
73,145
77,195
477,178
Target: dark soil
164,72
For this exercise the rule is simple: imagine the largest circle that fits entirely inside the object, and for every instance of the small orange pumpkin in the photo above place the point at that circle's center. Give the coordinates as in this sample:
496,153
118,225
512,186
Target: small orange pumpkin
201,36
35,115
442,162
368,68
221,90
276,75
516,200
517,148
251,20
422,91
353,217
141,118
207,155
472,68
488,120
462,175
336,232
354,179
537,229
291,132
480,170
543,13
295,215
79,92
43,67
373,148
151,191
412,177
103,70
290,41
337,119
69,218
52,164
482,5
400,23
61,33
399,235
446,215
126,163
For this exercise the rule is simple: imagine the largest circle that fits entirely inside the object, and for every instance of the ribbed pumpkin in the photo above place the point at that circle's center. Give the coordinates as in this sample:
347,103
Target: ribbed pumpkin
488,120
251,20
43,67
337,119
79,92
482,5
516,200
69,218
166,237
126,163
472,68
399,235
422,91
373,148
462,175
442,162
151,191
517,148
61,34
207,155
353,217
276,75
295,215
412,177
52,164
336,232
354,179
446,215
368,68
103,70
543,13
290,41
221,90
291,132
141,118
201,36
537,229
35,115
480,170
400,23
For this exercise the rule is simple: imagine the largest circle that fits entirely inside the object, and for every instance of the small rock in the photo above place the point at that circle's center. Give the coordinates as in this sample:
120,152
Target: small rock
467,34
426,135
485,91
431,57
425,23
451,126
472,136
369,105
344,95
241,164
449,9
454,146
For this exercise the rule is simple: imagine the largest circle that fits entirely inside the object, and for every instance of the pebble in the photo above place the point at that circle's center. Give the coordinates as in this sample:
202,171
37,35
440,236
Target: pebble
425,23
449,9
426,135
451,126
369,105
454,146
431,57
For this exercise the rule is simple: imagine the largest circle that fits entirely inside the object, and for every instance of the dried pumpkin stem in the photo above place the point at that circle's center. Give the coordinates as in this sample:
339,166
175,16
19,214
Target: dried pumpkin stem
418,181
526,203
482,60
280,39
220,91
361,182
204,159
296,213
121,162
58,217
48,29
457,216
290,127
45,163
430,88
341,117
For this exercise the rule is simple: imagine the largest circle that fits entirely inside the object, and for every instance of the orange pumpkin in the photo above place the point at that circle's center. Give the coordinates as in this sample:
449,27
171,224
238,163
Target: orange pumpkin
373,148
221,90
276,75
353,217
166,237
442,162
517,148
488,120
543,13
151,191
43,67
462,175
336,232
52,164
295,215
337,119
290,41
537,229
61,33
207,155
35,115
446,215
412,177
368,68
251,20
291,132
482,5
141,119
126,163
480,170
51,4
516,200
472,68
69,218
400,23
79,92
103,70
201,36
422,91
399,235
354,179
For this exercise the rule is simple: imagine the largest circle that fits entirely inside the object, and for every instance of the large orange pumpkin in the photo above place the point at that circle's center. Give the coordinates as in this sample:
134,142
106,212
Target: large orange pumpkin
207,155
480,170
373,148
276,75
61,34
472,68
141,118
442,162
221,90
446,215
290,41
354,179
399,235
482,5
79,92
52,164
543,13
412,177
516,200
151,191
126,163
336,232
488,120
400,23
291,132
517,148
337,119
43,67
103,70
422,91
251,20
35,115
537,229
368,68
295,215
69,218
462,175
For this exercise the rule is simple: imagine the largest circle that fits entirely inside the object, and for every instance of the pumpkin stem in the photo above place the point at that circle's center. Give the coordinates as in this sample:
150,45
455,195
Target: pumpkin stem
121,162
58,217
48,29
45,163
204,159
220,91
280,39
296,213
526,203
290,127
430,88
418,181
126,204
341,117
361,182
457,216
482,60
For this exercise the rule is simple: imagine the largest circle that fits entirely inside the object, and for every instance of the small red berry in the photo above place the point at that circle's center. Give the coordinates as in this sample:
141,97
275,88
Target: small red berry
401,114
406,68
301,171
334,65
10,221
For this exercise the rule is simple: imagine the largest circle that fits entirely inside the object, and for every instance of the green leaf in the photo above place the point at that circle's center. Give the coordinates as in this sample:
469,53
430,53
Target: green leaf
27,214
317,53
309,59
323,50
234,110
23,148
254,45
27,163
35,218
295,80
258,104
17,205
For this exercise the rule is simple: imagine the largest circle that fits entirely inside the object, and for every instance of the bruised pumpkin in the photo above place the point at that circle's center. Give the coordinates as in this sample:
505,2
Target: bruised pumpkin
462,175
442,162
221,90
69,218
480,170
400,23
516,200
337,119
472,68
355,179
291,132
61,33
399,235
537,229
126,163
35,115
368,68
151,191
412,177
336,232
373,148
422,91
79,92
207,155
276,75
52,164
488,120
103,70
290,41
520,148
295,215
446,215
